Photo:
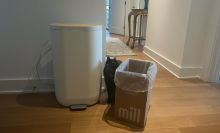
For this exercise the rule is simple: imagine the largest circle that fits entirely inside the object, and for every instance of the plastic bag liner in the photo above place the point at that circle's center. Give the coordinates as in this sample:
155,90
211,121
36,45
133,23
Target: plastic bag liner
136,75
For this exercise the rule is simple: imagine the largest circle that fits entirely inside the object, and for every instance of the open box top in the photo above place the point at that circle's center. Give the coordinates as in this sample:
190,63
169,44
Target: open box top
136,75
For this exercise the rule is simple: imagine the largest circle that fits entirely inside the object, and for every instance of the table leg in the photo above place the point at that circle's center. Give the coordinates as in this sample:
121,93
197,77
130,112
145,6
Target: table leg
134,30
139,41
129,28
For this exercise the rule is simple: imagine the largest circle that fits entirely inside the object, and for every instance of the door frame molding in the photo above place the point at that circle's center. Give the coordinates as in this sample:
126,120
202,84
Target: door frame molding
214,67
213,71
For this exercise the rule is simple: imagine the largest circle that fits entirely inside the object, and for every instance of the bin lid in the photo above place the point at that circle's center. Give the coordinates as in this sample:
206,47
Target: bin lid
70,26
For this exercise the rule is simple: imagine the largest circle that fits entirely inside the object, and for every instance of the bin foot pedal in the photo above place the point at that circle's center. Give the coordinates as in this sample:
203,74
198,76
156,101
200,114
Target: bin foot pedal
78,107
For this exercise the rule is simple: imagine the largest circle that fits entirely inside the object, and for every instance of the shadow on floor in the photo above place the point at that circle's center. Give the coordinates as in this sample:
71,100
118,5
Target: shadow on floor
215,85
38,100
108,117
103,97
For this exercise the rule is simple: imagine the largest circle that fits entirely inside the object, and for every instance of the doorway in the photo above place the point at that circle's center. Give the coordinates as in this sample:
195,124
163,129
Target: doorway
116,16
107,15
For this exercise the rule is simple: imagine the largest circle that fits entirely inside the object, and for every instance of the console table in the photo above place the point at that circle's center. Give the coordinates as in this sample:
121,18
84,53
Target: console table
136,13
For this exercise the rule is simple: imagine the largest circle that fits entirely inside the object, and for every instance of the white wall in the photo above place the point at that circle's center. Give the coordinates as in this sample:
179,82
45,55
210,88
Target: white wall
142,4
209,59
166,28
195,35
25,27
178,34
144,20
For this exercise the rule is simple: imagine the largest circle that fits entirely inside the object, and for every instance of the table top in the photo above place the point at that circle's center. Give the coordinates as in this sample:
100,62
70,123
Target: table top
139,12
139,9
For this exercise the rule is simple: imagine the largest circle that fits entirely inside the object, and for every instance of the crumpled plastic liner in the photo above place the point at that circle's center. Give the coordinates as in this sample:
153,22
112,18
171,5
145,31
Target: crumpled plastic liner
136,75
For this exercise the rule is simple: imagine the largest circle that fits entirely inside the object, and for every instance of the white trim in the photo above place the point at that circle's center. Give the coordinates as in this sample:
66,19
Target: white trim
209,54
193,72
214,67
150,50
11,86
26,86
179,72
166,66
27,91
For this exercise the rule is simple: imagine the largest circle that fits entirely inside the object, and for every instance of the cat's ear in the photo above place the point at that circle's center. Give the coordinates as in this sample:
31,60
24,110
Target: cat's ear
108,59
115,58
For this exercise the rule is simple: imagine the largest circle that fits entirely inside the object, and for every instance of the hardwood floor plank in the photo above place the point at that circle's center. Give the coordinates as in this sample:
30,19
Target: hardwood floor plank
162,82
169,122
187,89
200,94
40,128
184,111
217,107
163,130
166,95
201,129
207,119
167,103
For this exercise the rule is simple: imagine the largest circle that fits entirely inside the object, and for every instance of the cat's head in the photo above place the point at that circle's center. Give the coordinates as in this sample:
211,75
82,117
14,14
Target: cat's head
113,63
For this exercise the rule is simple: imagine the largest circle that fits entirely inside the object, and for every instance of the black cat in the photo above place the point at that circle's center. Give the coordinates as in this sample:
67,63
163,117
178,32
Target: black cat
109,73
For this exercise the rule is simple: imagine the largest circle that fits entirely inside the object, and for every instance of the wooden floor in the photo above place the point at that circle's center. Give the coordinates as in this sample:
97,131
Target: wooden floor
177,106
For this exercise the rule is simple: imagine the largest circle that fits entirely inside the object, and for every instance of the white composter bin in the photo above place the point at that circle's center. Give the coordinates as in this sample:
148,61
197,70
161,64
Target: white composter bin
77,62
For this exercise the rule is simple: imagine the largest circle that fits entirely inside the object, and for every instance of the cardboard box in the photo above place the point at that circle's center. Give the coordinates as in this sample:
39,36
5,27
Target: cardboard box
134,81
132,108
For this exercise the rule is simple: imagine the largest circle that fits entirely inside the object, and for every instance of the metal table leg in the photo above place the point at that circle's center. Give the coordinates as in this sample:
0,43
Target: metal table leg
139,41
134,30
129,27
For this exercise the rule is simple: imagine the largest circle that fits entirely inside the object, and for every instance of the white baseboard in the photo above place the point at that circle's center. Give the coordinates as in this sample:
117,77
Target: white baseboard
179,72
26,86
190,72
